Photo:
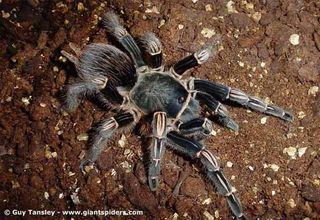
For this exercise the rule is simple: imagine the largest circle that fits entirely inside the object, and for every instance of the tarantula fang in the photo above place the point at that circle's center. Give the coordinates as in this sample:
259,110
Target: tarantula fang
139,85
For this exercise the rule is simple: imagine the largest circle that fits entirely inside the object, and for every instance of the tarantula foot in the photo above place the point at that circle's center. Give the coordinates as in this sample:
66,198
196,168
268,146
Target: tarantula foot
66,107
84,163
153,176
279,112
153,183
229,123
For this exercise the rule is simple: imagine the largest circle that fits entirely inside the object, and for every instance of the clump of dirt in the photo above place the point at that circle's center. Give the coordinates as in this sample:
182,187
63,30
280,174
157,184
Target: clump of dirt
270,49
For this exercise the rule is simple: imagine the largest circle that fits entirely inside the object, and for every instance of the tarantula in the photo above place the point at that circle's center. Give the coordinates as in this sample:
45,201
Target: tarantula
138,85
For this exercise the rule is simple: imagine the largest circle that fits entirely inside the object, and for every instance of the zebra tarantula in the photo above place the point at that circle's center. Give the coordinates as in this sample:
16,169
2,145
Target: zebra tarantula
138,85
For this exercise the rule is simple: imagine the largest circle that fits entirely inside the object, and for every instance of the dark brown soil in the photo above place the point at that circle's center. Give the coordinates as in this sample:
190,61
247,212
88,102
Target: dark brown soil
275,165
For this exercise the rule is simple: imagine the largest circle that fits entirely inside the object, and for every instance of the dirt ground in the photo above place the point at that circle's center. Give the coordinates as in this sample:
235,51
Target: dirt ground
270,49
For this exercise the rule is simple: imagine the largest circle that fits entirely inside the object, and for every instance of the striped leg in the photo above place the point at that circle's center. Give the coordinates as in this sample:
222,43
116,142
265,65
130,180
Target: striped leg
102,133
152,48
113,26
194,150
197,129
219,110
197,58
191,61
159,131
76,91
223,93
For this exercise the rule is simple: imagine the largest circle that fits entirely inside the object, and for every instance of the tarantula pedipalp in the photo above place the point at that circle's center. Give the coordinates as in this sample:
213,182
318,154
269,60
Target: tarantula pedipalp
138,86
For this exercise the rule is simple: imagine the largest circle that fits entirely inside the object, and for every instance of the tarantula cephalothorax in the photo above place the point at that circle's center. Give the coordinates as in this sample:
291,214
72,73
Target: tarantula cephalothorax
135,90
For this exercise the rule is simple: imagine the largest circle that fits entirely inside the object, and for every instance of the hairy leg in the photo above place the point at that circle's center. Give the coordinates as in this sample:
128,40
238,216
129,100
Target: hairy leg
193,150
223,93
196,59
217,109
76,91
72,58
113,26
152,48
197,129
102,133
159,131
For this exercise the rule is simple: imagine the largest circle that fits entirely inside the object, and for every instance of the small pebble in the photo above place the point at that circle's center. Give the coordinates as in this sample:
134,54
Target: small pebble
206,201
175,216
55,69
216,214
256,16
82,137
291,203
71,173
128,152
273,193
241,63
313,90
126,166
62,59
46,195
80,7
154,9
255,189
302,151
274,167
162,22
230,7
113,172
26,166
208,216
301,114
54,154
194,1
263,120
251,168
5,14
229,164
180,26
249,6
26,101
47,152
291,151
122,142
294,39
213,133
208,33
15,184
208,7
